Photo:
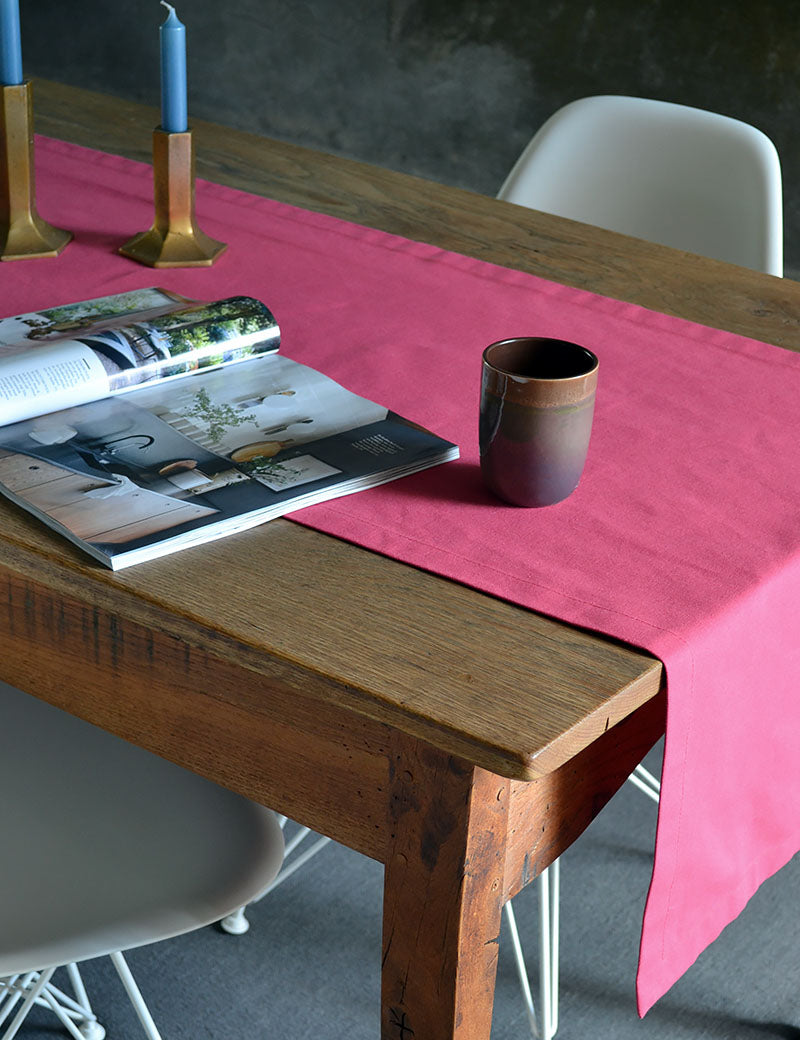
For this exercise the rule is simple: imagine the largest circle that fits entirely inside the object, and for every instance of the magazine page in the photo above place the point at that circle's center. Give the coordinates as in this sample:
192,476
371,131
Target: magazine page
80,352
63,321
167,466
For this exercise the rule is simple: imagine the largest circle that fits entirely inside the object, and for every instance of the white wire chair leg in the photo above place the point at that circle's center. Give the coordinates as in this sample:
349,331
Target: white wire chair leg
10,993
90,1028
74,1013
78,987
77,1020
28,987
544,1026
646,782
135,996
237,923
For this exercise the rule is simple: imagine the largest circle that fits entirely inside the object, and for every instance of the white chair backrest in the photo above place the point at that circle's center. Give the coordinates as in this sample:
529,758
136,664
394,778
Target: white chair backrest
667,173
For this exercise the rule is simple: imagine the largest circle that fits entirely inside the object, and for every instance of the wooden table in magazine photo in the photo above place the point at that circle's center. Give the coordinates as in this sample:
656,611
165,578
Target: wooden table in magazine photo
355,704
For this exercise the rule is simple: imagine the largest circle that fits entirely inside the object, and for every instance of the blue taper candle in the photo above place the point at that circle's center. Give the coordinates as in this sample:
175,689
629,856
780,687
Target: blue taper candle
173,73
10,47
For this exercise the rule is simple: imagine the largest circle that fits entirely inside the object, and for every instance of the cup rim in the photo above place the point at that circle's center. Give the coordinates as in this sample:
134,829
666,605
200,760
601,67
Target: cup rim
540,339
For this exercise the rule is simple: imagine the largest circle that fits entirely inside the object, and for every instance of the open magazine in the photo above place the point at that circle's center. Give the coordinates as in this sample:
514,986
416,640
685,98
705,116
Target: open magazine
144,423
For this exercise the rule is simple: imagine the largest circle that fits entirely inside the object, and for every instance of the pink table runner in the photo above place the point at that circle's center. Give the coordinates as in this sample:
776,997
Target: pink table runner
683,537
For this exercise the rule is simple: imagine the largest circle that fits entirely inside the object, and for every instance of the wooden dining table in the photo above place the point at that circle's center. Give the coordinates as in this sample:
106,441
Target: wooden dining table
461,741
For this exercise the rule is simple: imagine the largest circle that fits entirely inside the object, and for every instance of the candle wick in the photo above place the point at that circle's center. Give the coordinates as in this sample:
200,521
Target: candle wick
165,4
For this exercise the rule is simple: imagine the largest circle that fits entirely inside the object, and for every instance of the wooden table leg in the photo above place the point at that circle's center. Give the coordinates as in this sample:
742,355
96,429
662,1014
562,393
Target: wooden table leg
443,892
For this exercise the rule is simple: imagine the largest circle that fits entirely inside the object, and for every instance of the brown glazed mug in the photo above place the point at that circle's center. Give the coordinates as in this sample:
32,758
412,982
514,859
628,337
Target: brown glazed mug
537,404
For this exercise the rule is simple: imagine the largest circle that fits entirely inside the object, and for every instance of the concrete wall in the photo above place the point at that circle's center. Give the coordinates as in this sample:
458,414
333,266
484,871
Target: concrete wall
446,89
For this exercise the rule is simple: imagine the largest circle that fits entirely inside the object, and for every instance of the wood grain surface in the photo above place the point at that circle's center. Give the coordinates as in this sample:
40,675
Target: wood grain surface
566,251
523,696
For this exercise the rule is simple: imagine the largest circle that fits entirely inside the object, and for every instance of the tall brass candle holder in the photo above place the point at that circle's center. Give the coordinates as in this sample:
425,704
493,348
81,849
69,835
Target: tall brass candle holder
174,240
23,233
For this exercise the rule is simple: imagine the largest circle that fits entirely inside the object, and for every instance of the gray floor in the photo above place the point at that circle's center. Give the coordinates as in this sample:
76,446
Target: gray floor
308,968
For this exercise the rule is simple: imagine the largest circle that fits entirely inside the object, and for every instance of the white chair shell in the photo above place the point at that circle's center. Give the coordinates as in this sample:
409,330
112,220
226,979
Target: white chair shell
680,176
107,847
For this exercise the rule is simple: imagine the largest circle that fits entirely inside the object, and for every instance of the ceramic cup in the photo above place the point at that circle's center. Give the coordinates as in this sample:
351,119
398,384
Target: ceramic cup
537,404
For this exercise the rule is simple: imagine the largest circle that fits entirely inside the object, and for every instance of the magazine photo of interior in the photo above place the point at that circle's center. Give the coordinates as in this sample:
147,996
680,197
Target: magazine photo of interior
179,422
79,352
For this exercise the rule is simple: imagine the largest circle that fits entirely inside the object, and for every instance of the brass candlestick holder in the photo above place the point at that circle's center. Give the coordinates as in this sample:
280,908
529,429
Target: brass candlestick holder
23,233
174,240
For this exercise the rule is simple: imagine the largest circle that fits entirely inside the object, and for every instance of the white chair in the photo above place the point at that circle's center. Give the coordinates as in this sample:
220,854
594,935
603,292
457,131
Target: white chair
667,173
679,176
106,847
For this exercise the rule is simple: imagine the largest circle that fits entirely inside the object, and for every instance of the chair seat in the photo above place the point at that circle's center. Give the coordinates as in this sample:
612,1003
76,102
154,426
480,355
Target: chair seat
106,847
